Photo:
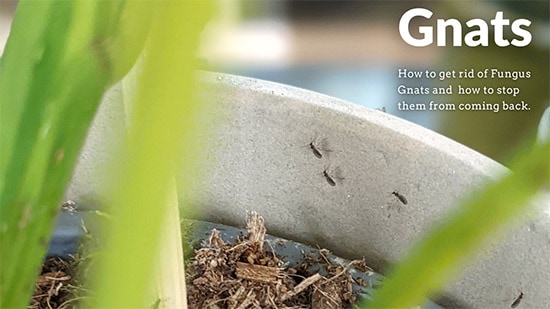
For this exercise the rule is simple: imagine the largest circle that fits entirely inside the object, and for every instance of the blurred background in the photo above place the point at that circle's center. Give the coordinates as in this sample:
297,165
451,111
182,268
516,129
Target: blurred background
352,50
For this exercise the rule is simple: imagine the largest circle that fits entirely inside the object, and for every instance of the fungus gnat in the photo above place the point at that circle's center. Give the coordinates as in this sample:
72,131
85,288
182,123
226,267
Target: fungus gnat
329,178
400,197
332,175
315,151
516,301
318,147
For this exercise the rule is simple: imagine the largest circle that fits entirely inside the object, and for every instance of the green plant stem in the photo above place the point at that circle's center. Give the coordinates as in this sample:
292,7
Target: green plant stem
440,256
162,118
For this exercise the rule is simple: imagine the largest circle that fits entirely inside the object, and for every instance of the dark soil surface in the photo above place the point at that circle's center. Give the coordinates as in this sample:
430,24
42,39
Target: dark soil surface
246,275
248,270
56,286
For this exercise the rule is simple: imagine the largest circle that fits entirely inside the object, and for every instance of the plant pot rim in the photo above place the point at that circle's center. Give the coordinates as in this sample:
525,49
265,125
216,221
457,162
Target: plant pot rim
259,160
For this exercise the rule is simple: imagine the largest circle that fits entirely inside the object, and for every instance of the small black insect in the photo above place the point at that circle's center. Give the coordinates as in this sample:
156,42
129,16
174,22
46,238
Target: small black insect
516,302
400,197
329,178
318,147
315,151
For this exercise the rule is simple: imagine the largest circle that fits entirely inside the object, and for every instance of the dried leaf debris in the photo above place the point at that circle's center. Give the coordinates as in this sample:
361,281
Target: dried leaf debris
246,275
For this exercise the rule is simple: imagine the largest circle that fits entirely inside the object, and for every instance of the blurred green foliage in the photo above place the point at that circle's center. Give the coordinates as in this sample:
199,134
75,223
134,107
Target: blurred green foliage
59,59
162,118
54,70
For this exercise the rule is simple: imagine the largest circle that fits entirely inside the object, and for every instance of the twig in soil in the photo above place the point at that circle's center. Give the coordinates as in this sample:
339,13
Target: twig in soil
215,239
248,300
322,254
255,228
326,295
302,286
